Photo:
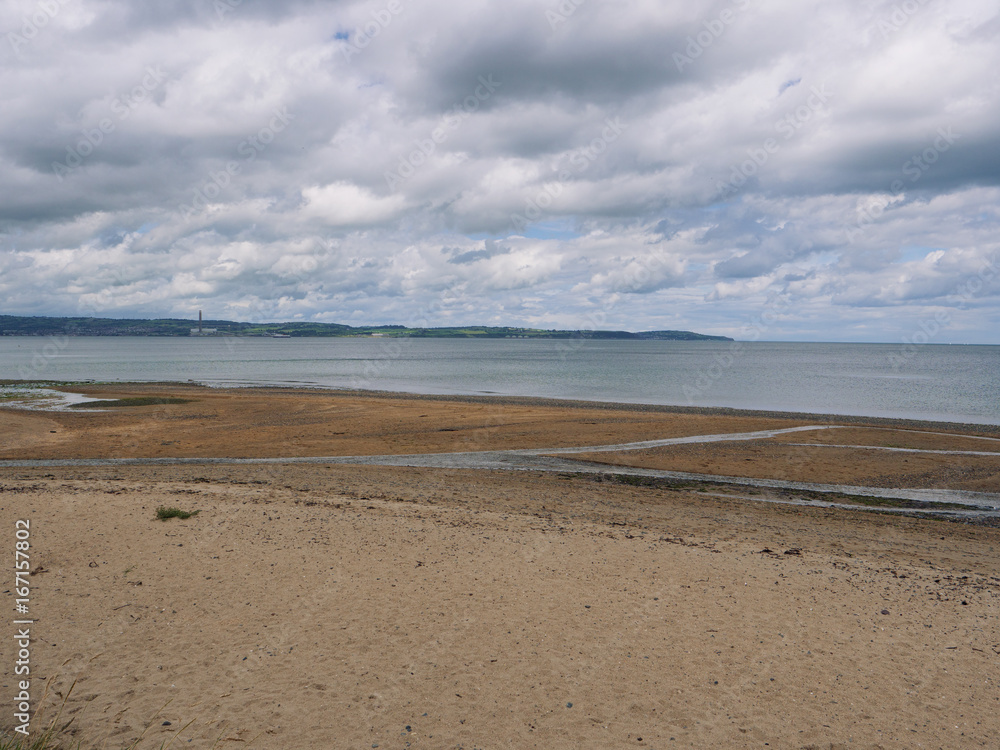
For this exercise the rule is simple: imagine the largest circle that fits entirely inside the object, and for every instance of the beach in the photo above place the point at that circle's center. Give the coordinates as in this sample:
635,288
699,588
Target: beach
355,605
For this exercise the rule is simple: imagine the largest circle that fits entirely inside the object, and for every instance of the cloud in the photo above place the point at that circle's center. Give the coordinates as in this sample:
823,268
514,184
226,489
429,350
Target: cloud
526,162
489,250
342,204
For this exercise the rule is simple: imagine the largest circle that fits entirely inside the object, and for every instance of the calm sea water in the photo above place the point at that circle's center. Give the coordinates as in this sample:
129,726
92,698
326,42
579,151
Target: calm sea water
939,382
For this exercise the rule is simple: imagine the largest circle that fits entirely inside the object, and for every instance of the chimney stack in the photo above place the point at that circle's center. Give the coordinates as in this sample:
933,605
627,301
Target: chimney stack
199,321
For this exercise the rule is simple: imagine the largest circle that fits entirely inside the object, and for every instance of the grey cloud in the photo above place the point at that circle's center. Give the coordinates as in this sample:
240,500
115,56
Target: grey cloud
635,227
490,250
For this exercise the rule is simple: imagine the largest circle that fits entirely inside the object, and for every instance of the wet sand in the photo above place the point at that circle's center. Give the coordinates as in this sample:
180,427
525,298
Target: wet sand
834,464
286,422
320,606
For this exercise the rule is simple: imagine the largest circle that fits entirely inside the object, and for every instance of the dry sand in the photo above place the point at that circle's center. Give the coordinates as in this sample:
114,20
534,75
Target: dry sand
314,606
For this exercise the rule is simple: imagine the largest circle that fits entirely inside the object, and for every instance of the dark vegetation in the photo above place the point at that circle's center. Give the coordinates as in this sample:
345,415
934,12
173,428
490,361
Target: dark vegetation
13,325
133,401
163,513
777,493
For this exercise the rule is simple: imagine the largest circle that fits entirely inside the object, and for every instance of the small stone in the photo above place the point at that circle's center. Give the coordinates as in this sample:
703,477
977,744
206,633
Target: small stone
569,705
885,611
165,724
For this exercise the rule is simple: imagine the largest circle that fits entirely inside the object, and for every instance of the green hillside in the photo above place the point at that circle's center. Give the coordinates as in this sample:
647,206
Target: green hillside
13,325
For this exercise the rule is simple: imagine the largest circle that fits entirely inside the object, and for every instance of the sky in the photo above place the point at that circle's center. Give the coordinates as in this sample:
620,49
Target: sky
762,169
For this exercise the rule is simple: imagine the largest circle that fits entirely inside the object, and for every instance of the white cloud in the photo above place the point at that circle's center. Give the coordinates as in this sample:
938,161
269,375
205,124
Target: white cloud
634,228
342,204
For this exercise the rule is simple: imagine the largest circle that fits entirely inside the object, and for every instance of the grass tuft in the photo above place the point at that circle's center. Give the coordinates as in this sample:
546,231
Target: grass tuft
163,513
53,736
49,738
44,741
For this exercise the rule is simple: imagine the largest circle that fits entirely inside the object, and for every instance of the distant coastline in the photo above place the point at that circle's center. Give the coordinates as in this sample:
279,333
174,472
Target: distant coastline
15,325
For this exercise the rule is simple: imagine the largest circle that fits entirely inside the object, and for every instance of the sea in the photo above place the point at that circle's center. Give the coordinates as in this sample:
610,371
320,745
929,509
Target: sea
950,383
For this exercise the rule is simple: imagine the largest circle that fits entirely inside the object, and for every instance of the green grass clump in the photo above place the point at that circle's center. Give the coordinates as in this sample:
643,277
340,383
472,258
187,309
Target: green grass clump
133,401
163,513
44,741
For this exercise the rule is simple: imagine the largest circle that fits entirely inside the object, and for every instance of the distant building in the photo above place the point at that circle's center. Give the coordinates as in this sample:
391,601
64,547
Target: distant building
199,331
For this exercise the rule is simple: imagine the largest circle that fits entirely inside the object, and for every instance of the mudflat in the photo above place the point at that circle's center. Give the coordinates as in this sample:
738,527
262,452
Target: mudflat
286,422
316,606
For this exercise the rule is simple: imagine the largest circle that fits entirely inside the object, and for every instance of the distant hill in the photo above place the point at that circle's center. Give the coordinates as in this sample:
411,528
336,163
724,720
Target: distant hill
14,325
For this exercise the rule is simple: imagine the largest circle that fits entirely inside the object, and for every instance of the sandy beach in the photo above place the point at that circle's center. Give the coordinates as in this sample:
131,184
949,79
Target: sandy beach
358,606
